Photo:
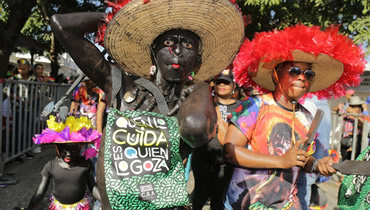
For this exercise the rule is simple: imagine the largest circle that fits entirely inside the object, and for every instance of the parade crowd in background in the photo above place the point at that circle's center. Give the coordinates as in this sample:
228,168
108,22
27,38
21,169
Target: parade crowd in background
237,118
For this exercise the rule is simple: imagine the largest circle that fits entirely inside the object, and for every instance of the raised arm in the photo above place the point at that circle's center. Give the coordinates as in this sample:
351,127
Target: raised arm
70,29
40,193
197,117
100,116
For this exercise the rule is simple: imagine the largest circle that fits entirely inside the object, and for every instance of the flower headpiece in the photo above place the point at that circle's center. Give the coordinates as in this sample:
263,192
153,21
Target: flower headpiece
73,130
336,60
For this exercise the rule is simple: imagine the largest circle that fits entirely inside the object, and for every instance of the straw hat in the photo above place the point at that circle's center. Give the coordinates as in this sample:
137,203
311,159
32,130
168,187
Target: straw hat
336,60
356,100
133,29
333,70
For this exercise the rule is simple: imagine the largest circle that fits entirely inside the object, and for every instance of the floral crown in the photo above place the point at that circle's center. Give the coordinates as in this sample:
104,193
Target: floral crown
73,130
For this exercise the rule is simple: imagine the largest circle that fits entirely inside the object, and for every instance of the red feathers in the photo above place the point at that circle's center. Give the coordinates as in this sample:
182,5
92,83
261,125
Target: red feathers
280,44
116,6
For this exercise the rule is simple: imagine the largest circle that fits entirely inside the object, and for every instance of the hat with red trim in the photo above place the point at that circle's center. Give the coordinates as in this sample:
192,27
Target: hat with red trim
133,25
335,59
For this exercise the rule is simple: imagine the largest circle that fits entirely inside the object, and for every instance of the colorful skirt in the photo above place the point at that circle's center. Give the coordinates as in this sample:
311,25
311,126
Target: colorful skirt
83,204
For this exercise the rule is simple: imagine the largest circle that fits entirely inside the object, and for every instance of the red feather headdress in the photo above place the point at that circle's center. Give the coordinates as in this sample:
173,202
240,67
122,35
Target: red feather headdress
336,60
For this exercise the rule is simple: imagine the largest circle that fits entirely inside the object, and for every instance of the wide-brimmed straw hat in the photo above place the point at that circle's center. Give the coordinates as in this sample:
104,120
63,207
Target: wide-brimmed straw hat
131,32
355,100
336,60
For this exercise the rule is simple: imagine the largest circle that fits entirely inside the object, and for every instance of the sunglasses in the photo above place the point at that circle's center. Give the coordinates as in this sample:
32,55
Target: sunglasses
222,81
296,71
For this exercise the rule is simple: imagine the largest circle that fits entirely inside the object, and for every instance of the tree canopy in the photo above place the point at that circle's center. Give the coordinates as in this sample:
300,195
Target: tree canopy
31,19
34,25
353,16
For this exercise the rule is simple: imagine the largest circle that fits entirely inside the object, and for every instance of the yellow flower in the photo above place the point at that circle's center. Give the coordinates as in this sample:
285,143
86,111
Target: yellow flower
52,124
75,124
81,123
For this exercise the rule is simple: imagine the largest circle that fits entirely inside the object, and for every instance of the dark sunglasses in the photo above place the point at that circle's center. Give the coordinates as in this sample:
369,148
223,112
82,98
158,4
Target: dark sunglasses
222,81
296,71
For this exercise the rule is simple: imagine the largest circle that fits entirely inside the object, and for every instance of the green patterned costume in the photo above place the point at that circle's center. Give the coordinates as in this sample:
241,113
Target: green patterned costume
354,192
143,166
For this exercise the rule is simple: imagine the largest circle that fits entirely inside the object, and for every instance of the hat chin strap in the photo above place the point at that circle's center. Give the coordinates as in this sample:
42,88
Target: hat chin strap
294,102
56,147
284,93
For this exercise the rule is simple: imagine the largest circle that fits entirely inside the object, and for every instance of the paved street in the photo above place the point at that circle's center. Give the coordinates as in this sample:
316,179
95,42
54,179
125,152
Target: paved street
28,174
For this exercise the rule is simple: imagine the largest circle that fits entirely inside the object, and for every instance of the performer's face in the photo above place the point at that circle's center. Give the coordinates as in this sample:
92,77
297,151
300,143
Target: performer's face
176,52
295,78
224,87
69,152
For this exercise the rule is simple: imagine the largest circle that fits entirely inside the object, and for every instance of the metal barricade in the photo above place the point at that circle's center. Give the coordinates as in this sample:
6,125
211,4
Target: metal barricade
337,132
22,104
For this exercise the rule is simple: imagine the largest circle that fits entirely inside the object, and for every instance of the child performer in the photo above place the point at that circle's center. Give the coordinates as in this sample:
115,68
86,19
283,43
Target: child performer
70,171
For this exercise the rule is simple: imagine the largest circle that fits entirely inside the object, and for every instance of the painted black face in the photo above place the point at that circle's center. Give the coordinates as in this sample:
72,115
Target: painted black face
69,152
176,52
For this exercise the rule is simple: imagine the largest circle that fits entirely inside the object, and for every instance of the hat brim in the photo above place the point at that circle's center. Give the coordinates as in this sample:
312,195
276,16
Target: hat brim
225,78
72,142
133,29
327,70
355,101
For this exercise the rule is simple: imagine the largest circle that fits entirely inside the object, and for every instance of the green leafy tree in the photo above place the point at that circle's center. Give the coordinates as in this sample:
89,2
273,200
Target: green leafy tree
352,15
46,8
35,26
14,14
31,18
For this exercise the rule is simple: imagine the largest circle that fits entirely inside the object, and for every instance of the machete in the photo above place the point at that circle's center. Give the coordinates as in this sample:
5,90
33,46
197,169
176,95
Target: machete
355,167
313,129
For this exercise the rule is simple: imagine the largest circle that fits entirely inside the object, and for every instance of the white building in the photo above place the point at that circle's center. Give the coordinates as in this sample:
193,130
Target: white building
67,65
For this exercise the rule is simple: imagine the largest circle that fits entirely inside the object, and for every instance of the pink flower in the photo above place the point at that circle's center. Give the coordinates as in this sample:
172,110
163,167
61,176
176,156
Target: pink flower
90,153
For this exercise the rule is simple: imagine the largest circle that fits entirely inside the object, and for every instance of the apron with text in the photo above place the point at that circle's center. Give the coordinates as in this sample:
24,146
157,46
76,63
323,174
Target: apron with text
142,162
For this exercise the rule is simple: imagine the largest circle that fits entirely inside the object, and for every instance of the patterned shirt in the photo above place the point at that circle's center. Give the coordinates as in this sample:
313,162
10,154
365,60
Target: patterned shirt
88,102
268,128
